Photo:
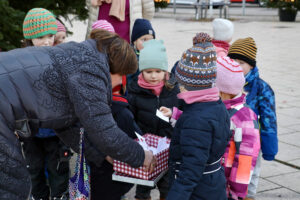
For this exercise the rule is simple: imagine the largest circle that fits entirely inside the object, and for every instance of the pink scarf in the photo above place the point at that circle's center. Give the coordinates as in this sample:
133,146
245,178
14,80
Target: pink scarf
156,89
206,95
222,44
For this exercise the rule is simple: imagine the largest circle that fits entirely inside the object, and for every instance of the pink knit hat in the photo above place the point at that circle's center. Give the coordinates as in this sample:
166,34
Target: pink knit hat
230,76
60,27
103,24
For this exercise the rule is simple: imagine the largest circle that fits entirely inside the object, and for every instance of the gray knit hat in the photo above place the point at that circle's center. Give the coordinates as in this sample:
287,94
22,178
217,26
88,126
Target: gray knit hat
197,68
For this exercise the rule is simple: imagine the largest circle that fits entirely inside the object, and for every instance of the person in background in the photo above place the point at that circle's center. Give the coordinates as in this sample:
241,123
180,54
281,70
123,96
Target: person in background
121,14
243,149
45,153
142,31
261,99
146,95
202,132
61,34
223,30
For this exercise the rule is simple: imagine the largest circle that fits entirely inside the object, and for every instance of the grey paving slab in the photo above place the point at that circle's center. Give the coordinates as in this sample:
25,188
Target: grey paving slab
295,127
291,181
293,138
287,152
286,121
276,194
265,185
273,168
295,162
281,130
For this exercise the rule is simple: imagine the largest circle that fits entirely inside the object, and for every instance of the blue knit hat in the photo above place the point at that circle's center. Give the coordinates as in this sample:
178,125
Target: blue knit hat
141,27
197,68
153,56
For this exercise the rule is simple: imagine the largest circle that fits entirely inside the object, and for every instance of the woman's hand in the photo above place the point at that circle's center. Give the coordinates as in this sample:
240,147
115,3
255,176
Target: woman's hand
166,111
109,159
150,161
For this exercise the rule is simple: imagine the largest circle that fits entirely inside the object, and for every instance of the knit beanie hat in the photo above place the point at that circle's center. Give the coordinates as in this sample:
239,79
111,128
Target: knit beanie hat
197,68
141,27
230,76
103,24
153,56
244,49
39,22
60,27
222,29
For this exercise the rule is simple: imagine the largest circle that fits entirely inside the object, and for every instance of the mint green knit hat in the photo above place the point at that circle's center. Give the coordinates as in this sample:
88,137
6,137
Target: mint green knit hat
39,22
153,56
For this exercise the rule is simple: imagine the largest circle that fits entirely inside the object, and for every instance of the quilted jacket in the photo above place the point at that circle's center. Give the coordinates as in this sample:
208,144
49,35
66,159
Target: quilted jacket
55,87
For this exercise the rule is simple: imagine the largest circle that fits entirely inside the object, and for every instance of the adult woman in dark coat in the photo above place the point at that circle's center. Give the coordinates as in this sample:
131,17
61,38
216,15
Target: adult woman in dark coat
59,87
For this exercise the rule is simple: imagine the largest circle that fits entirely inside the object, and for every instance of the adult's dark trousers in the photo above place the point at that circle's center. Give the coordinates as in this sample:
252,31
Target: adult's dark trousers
14,177
102,185
43,156
143,192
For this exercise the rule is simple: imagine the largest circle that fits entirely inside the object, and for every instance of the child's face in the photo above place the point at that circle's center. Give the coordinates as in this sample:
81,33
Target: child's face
59,37
139,42
246,67
153,76
116,79
46,40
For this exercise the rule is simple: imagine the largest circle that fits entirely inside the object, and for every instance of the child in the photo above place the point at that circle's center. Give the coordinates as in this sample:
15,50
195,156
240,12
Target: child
149,93
203,130
103,24
222,34
260,97
142,31
61,34
243,149
45,151
102,185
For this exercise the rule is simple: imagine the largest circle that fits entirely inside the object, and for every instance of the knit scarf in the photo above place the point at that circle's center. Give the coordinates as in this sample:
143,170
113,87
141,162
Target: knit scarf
239,99
251,85
117,8
206,95
156,89
222,44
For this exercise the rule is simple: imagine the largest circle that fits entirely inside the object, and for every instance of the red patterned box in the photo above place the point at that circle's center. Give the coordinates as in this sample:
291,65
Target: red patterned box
162,161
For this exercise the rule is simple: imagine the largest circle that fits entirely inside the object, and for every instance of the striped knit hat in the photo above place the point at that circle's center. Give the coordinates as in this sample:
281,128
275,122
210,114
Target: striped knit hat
244,49
103,24
230,76
39,22
196,69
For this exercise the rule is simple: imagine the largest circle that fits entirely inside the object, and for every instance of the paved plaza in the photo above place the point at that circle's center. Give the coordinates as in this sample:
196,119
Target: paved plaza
278,52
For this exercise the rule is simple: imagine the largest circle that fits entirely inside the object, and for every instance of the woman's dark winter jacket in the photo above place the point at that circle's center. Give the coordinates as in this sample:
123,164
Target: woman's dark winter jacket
199,139
54,87
144,105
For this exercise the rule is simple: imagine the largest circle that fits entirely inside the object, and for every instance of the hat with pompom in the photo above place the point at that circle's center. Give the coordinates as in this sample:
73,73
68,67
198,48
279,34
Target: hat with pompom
197,68
39,22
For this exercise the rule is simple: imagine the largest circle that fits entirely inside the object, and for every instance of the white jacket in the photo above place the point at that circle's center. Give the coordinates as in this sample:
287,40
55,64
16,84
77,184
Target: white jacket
138,9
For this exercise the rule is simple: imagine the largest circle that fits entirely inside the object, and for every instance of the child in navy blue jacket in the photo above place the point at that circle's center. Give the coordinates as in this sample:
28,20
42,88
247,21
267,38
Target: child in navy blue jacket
202,132
102,185
146,95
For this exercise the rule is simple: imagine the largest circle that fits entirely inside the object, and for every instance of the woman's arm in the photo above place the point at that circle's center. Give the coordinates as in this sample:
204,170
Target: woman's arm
88,92
147,9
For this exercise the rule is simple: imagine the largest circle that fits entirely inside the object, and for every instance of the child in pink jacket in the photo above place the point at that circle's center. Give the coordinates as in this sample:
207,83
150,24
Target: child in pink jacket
242,151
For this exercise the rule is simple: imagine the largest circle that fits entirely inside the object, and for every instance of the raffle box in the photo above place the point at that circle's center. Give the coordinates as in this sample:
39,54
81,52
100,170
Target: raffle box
162,161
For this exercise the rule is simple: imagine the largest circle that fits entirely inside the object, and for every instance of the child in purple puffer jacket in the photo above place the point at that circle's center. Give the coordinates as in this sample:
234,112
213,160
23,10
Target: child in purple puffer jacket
242,151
